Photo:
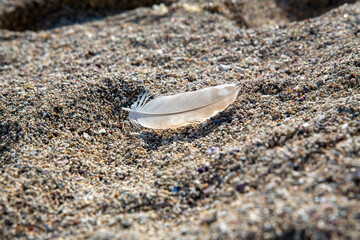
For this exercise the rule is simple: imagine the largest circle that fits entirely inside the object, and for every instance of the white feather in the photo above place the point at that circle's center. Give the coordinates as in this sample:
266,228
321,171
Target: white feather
181,109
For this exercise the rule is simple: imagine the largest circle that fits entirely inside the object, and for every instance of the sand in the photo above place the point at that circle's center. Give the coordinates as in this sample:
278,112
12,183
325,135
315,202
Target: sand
282,162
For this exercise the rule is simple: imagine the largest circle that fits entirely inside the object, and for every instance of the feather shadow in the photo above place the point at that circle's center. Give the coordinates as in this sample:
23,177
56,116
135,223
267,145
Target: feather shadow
155,138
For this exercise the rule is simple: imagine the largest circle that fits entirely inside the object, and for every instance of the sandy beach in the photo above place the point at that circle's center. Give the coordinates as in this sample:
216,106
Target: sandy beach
281,162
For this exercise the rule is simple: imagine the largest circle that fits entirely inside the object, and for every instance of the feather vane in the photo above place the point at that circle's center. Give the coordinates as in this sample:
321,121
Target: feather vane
181,109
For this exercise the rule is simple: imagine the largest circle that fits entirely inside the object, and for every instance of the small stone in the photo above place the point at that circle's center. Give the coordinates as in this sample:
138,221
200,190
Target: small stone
8,222
176,189
241,187
209,189
86,136
102,131
223,67
125,223
143,219
184,231
160,10
192,8
213,150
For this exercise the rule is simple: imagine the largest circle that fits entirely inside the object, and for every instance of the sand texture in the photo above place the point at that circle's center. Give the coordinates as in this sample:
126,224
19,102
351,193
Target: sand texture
281,162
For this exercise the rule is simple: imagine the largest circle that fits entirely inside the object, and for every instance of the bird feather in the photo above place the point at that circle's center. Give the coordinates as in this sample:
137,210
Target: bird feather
181,109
